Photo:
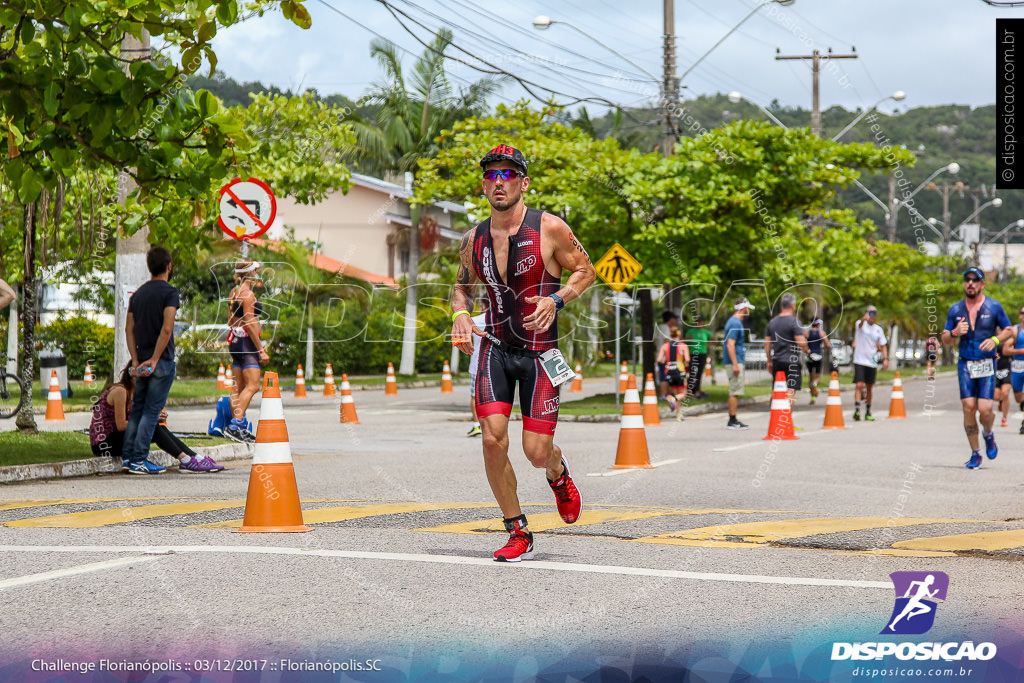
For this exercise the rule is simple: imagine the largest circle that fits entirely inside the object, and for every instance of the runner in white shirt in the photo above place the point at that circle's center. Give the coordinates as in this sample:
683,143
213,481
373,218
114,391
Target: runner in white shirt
474,363
868,340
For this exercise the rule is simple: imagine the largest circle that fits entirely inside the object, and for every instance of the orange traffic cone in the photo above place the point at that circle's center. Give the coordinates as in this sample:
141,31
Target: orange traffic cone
272,504
622,378
632,451
54,402
229,380
300,383
651,415
897,408
707,368
348,405
834,405
329,388
577,384
780,425
391,384
221,378
88,378
446,380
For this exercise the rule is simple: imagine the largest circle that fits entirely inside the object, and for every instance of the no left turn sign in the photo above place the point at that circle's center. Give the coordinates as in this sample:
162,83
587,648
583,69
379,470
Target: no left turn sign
247,208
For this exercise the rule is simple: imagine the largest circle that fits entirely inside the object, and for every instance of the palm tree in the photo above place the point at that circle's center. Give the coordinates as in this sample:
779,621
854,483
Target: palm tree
410,117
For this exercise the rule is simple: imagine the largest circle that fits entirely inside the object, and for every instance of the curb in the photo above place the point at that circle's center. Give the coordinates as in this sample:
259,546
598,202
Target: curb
171,402
109,465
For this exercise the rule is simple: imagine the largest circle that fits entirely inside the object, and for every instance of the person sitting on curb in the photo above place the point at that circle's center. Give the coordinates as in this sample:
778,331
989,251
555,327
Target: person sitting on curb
110,420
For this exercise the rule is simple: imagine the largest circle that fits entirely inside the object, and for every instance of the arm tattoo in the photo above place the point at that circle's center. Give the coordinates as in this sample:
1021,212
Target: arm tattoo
465,259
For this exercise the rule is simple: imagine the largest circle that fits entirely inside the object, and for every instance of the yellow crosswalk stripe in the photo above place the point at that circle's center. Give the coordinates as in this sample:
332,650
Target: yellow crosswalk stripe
81,520
347,512
591,515
753,533
47,502
985,540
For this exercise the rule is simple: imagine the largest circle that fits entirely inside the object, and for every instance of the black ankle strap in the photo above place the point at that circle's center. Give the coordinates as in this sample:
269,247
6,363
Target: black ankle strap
515,523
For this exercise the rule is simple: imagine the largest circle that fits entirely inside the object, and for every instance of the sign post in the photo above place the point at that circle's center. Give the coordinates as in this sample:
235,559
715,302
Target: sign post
617,268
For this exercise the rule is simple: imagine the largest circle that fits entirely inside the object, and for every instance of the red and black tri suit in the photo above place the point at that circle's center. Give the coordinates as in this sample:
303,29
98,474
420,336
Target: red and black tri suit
514,358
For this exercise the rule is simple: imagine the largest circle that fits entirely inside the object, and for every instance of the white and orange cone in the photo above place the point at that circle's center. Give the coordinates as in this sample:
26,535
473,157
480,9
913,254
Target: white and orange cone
707,367
221,378
88,379
446,380
391,384
229,380
780,425
272,504
300,383
623,374
577,384
348,405
329,388
651,415
897,407
54,402
632,450
834,405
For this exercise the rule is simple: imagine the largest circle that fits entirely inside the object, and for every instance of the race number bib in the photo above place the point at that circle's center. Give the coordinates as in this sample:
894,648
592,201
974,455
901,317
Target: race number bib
555,367
1017,365
979,369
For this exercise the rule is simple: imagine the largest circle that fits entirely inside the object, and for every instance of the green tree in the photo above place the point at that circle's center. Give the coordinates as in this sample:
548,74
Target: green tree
411,113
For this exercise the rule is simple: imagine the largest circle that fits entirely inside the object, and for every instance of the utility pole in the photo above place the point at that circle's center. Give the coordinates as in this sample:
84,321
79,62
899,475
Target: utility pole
670,95
130,269
816,58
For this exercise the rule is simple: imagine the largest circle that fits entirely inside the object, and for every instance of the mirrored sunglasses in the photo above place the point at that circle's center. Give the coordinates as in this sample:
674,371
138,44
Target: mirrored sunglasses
503,173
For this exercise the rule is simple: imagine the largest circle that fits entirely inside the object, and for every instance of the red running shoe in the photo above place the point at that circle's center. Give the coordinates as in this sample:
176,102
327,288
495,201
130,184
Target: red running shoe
519,547
567,496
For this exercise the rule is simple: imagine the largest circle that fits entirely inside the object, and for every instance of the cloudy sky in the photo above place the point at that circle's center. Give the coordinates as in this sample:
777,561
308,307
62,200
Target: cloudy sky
937,51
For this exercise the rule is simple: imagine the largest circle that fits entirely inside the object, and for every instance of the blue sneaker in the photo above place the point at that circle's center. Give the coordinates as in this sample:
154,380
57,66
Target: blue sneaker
145,467
975,461
991,450
125,462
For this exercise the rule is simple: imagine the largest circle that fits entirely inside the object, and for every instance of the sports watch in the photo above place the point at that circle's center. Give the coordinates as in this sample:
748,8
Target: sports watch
559,302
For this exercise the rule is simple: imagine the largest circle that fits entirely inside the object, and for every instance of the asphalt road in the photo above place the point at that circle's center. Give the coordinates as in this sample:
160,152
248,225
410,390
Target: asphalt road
731,549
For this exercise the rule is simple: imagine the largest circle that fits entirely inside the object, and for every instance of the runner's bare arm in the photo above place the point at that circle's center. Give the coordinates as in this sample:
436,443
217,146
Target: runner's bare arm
7,294
462,297
567,251
1004,335
249,320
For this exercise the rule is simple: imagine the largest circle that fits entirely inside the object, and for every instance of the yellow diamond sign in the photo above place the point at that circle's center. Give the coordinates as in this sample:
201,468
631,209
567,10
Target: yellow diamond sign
617,267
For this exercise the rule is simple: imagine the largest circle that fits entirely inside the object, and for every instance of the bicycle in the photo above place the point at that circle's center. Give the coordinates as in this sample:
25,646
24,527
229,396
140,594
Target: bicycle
12,394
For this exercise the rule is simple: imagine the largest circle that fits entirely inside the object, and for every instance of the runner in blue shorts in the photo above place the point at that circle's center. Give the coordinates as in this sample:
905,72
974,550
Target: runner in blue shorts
981,325
1014,350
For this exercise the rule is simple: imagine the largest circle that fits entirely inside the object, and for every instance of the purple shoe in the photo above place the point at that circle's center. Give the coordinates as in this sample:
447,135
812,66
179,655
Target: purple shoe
199,465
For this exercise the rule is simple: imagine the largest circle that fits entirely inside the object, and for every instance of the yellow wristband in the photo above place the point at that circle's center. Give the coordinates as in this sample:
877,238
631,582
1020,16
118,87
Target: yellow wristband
995,339
461,311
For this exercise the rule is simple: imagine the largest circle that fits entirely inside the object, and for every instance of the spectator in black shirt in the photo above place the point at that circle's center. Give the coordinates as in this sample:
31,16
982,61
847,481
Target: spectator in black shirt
783,341
149,330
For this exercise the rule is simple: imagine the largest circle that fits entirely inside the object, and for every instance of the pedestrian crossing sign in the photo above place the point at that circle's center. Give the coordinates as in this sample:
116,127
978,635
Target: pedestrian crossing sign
617,267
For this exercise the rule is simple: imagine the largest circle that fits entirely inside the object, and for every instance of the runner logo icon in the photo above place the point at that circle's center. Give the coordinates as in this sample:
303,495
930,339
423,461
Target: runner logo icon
916,596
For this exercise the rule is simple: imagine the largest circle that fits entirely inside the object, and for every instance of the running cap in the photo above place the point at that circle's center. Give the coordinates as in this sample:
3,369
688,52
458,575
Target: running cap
741,304
505,153
816,321
249,268
976,271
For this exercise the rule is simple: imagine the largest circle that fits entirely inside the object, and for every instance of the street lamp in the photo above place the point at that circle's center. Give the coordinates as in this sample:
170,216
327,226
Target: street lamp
1017,224
996,202
543,23
897,96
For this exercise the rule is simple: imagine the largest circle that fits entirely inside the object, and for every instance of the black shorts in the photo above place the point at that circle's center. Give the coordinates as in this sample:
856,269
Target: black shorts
794,375
862,373
1002,377
243,353
496,377
814,366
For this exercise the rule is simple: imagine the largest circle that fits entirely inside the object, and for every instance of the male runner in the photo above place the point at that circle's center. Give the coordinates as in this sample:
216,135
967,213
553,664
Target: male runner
1013,350
868,340
519,254
981,325
815,339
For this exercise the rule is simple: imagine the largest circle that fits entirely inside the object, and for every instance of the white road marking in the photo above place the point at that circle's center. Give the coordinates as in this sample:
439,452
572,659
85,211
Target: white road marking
614,473
73,571
751,444
451,559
